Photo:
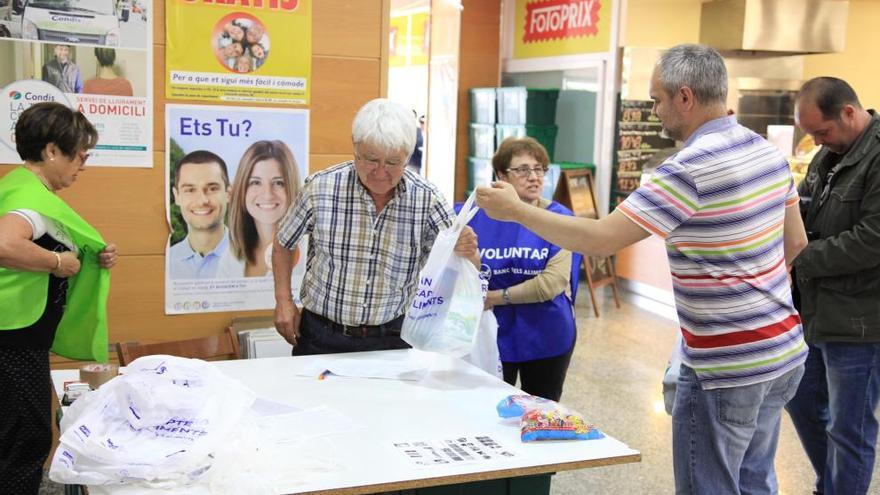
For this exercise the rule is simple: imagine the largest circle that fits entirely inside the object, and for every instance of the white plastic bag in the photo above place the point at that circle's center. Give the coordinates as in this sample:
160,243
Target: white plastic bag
445,312
670,377
156,425
484,354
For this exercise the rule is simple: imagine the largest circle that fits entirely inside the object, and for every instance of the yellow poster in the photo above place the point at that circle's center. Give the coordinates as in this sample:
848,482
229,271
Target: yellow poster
398,41
239,50
419,38
408,38
550,28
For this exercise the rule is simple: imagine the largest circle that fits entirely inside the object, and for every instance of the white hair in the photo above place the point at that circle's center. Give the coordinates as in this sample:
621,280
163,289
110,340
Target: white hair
386,125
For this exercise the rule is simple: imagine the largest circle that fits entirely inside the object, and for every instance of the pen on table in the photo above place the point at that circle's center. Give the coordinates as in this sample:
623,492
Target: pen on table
323,374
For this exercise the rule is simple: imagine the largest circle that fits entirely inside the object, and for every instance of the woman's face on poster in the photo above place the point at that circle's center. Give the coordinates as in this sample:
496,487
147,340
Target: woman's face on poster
234,31
266,195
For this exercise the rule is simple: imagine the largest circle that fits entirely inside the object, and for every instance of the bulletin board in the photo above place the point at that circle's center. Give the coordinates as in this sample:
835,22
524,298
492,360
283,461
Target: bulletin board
575,190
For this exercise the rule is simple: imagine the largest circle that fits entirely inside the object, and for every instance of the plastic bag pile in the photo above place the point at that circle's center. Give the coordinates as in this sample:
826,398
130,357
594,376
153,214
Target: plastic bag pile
158,425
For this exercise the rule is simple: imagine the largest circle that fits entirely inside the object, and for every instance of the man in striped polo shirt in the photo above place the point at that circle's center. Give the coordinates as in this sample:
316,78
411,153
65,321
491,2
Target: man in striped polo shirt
727,208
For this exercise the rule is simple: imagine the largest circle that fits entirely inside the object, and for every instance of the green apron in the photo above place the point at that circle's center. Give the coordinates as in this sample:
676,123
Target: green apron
82,332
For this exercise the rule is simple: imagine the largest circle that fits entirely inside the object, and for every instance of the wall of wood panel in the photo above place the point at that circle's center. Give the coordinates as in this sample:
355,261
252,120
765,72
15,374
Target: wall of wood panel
479,67
349,67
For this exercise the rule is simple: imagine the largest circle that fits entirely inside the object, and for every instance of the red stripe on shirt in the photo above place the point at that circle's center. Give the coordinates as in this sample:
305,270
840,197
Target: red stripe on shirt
742,337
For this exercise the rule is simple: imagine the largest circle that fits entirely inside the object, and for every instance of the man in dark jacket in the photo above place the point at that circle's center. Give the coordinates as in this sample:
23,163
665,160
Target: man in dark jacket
838,274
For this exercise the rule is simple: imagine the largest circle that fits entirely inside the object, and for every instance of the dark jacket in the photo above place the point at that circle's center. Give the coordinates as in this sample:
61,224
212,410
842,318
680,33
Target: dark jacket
63,76
838,273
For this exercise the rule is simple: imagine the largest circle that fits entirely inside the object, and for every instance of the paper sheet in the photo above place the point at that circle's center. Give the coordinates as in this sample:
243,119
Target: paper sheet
459,450
410,368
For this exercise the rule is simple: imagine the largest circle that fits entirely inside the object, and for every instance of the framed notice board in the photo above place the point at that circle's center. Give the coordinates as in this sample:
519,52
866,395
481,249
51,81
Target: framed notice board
575,190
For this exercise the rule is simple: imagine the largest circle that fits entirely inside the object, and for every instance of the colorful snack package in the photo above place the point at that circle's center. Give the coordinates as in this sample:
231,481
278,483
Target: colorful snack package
559,424
514,406
544,419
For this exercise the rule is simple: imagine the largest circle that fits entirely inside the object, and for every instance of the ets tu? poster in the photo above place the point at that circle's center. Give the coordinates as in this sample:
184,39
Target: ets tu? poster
232,173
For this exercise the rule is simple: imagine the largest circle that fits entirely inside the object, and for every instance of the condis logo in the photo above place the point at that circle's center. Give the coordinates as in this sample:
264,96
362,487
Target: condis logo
30,96
559,19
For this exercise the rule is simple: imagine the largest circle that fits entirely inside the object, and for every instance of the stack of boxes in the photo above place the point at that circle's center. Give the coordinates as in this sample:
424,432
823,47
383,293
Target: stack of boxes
528,112
520,112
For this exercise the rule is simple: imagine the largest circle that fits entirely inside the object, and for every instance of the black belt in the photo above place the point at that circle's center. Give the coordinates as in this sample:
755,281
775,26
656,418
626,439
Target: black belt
388,329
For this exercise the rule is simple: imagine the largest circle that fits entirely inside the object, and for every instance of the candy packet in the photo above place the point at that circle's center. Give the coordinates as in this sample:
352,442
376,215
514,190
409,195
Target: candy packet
543,419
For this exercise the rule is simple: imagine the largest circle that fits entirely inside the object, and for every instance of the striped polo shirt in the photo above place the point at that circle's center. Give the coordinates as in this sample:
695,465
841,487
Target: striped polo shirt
720,205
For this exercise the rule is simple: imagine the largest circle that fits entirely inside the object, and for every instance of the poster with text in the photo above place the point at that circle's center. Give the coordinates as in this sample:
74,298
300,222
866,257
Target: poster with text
92,55
232,173
259,51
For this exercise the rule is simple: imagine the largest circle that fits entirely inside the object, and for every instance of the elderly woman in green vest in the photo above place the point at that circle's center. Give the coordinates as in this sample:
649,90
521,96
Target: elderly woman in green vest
53,284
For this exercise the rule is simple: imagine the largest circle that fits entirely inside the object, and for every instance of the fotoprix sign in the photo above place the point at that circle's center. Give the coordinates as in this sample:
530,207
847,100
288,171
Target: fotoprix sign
559,19
548,28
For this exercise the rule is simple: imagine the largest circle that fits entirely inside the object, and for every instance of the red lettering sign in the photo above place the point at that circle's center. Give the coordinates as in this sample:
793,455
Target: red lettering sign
559,19
253,4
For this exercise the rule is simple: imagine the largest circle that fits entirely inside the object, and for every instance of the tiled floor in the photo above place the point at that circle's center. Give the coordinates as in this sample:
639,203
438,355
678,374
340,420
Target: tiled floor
614,380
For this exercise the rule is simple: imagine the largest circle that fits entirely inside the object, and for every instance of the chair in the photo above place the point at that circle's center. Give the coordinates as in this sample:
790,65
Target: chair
224,346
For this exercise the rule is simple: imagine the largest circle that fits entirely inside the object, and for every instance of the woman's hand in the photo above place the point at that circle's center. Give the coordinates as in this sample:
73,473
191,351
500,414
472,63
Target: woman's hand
108,256
69,265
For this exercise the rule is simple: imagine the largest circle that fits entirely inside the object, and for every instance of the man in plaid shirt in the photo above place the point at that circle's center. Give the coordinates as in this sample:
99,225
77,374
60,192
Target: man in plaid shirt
371,224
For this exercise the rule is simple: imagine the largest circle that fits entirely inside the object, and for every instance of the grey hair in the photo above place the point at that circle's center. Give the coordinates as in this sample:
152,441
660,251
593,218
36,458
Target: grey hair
385,124
698,67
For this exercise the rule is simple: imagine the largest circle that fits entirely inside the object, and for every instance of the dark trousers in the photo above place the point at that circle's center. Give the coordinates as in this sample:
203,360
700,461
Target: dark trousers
540,377
25,418
322,336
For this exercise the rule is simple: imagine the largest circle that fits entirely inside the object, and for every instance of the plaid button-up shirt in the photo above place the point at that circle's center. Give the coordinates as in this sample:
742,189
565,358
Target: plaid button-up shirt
362,267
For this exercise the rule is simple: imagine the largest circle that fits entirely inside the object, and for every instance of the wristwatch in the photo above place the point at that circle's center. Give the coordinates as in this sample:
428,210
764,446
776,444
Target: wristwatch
505,296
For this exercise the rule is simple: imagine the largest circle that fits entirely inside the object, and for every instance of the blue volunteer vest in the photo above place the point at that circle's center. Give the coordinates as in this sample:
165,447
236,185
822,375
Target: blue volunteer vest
512,254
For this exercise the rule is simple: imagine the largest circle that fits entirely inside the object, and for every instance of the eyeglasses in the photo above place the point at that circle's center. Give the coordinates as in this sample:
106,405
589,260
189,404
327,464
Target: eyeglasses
391,165
524,172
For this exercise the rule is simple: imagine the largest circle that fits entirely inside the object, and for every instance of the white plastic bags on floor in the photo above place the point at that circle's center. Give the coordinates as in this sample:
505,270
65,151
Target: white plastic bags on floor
445,313
156,425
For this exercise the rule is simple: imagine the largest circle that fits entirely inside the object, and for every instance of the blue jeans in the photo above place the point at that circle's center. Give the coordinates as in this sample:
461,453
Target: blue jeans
724,440
834,414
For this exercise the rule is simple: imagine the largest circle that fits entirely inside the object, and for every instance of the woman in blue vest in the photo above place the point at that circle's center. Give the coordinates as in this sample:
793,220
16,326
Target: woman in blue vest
531,282
53,284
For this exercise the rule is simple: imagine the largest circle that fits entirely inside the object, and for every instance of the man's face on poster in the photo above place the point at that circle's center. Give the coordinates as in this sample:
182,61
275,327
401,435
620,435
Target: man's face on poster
202,195
62,53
